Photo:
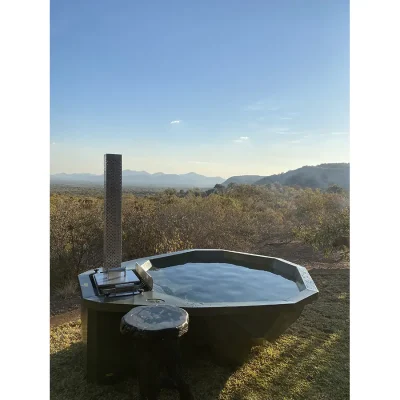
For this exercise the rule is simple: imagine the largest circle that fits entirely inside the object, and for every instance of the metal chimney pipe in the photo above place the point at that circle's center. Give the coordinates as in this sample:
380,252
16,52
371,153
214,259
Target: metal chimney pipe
112,211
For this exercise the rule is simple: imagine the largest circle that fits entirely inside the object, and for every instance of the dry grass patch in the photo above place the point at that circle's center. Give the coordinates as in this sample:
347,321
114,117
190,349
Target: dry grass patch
311,361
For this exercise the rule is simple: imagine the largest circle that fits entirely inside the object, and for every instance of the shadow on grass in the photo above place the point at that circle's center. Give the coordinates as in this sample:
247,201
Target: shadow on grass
310,361
67,380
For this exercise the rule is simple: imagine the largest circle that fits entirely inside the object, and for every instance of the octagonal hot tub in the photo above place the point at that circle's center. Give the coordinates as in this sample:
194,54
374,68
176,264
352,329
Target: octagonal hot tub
232,299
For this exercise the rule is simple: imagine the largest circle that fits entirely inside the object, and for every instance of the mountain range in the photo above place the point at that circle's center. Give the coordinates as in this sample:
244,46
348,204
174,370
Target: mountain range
320,176
143,179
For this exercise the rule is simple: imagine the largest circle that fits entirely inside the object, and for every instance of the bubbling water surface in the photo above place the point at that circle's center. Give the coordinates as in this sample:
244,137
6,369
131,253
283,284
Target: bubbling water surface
221,282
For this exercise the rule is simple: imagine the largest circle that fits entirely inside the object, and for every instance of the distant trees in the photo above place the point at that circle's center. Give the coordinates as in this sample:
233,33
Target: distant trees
170,192
238,217
219,188
196,192
335,189
302,180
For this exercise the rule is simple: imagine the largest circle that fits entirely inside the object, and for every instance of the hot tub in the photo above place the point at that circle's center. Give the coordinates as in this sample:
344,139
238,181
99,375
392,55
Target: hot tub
233,299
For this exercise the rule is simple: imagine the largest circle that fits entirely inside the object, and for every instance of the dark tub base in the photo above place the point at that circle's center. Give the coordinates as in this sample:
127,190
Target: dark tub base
111,357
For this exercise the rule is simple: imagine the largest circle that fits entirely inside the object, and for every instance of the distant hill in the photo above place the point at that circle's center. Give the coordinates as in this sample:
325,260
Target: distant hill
243,179
143,179
319,176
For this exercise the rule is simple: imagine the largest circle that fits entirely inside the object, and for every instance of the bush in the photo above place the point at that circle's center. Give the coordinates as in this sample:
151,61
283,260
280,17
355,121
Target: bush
322,218
76,237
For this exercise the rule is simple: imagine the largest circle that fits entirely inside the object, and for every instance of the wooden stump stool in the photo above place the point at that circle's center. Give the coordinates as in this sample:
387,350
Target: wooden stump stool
157,330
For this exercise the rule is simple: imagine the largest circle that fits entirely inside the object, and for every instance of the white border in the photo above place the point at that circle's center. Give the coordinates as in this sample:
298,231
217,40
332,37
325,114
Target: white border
24,94
25,145
375,265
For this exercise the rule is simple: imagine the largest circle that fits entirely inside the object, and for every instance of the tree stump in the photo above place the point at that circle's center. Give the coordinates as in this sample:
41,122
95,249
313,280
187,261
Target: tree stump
157,330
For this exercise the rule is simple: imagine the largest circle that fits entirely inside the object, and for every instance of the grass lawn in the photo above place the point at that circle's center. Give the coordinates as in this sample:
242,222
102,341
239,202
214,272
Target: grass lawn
310,361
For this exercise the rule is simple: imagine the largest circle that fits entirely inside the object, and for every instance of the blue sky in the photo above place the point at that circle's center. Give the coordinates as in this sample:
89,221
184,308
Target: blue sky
222,87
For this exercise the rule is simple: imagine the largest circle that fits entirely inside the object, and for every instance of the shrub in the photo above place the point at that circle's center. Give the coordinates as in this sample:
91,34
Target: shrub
322,218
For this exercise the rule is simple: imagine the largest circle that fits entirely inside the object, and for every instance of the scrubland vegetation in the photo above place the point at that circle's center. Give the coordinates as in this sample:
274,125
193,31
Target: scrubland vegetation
239,217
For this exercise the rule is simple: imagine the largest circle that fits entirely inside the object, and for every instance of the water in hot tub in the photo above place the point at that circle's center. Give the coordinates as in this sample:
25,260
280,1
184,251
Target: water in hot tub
221,282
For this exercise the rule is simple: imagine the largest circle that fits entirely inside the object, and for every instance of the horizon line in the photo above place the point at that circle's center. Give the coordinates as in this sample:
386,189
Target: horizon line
192,172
